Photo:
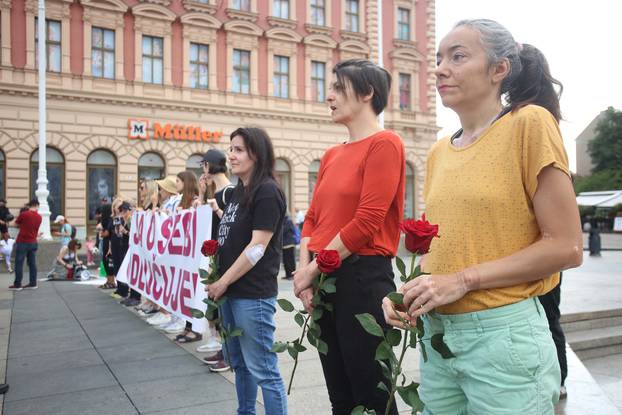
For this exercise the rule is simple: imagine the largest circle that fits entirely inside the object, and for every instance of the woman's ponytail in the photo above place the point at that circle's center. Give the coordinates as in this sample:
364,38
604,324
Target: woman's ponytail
534,83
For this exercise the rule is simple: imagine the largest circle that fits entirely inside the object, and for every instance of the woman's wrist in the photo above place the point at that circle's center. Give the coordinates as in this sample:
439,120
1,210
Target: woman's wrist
468,279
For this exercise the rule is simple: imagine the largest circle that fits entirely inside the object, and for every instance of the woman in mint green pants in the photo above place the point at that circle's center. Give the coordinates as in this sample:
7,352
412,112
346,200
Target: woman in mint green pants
501,193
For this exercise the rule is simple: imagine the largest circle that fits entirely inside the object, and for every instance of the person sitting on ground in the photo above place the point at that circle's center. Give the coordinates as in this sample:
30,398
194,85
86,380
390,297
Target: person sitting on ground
6,248
66,261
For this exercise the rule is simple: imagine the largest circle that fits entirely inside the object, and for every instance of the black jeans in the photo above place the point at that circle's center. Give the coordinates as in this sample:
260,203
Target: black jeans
349,367
289,261
26,251
550,302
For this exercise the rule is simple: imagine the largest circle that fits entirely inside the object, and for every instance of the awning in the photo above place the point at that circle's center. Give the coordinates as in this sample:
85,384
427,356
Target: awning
604,199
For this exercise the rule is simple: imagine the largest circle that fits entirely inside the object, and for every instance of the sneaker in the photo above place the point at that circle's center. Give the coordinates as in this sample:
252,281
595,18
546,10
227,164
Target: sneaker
176,328
211,346
563,394
166,325
130,302
115,296
15,287
214,358
221,366
30,287
159,318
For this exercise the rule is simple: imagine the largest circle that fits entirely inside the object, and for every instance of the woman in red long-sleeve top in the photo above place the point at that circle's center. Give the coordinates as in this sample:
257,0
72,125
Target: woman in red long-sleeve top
356,207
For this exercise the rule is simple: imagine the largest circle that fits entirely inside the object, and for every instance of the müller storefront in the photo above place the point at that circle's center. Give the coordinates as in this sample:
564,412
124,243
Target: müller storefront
98,149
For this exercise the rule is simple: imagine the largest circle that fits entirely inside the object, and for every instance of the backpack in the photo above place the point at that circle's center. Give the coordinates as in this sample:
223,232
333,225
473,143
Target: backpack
296,234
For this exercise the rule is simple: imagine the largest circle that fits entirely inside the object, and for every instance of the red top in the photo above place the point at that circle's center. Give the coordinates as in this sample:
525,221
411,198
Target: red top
29,222
360,195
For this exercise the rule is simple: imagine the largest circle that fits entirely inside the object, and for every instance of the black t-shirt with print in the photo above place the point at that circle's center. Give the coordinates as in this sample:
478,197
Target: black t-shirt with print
223,196
265,212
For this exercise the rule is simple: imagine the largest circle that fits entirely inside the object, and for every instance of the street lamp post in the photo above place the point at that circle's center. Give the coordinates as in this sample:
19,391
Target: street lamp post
42,180
380,59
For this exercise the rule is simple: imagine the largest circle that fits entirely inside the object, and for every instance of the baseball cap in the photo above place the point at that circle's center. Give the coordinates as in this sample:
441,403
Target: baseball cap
59,219
124,206
215,157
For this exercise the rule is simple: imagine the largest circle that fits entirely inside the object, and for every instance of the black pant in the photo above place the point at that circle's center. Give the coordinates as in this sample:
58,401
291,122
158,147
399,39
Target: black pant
289,261
550,303
350,370
124,290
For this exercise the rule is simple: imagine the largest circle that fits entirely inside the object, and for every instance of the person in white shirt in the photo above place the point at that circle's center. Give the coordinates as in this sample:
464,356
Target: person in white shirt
6,248
169,198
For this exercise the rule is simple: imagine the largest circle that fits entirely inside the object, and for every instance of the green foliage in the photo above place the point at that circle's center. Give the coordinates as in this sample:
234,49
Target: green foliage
285,305
606,147
608,179
369,324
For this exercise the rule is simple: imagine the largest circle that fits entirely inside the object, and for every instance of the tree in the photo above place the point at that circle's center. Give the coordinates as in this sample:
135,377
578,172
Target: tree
606,147
610,179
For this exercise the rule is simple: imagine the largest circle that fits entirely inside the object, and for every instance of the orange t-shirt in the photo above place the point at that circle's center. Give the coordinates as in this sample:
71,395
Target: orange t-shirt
360,195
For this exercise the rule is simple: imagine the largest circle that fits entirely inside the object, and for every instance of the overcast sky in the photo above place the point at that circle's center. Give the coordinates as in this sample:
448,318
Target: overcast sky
581,40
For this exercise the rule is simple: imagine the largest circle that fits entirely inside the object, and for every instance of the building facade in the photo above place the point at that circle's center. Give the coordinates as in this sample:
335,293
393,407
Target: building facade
141,88
584,160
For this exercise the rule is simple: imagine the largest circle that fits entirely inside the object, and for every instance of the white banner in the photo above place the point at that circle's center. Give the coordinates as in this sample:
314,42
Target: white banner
163,260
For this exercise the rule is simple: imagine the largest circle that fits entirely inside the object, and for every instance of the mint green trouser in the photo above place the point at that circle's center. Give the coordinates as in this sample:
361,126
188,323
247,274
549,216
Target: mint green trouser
505,363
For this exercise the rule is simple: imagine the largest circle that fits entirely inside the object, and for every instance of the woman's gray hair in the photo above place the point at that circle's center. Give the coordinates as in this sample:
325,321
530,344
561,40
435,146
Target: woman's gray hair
499,44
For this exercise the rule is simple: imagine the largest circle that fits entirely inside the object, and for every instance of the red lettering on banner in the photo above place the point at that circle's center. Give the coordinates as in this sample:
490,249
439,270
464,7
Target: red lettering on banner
134,270
139,231
143,272
151,233
168,284
186,294
188,233
165,230
194,233
172,248
155,273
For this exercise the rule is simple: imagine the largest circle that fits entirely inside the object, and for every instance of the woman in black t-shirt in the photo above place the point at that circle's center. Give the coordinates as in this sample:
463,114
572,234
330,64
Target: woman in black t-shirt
249,256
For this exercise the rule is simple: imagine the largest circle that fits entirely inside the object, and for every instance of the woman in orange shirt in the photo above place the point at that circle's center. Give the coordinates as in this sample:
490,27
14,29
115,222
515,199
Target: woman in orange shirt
356,208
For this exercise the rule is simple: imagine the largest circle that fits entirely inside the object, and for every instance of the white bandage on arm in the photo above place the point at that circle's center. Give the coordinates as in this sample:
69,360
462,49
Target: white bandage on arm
255,253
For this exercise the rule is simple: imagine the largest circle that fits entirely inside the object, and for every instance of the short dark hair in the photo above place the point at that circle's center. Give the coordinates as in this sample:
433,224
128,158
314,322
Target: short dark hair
33,203
366,77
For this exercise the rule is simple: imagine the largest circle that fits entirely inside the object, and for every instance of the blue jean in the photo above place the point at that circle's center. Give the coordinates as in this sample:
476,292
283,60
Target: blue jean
25,251
250,357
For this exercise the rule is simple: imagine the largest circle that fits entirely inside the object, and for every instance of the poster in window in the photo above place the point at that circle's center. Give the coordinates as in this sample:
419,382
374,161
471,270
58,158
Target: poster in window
101,188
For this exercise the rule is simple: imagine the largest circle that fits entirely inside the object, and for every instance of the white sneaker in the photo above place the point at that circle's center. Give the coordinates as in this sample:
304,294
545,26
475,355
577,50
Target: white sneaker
159,318
211,346
176,328
171,322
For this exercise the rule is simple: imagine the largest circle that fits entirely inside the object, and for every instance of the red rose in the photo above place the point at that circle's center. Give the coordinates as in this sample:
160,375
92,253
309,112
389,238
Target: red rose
328,260
419,234
209,248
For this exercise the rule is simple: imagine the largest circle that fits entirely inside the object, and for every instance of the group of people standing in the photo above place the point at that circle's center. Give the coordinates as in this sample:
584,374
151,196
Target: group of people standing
499,189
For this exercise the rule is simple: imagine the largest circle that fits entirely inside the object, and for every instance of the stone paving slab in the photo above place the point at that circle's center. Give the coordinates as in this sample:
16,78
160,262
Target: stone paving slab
110,400
73,349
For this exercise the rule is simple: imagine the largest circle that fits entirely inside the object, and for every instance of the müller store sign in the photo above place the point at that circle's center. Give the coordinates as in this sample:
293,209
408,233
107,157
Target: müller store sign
138,129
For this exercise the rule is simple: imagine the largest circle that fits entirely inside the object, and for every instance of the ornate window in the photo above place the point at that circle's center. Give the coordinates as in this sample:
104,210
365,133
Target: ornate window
280,8
101,170
244,5
55,166
405,91
199,66
151,166
318,12
283,177
241,71
314,168
352,16
153,59
102,52
52,45
403,23
193,164
318,81
281,76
